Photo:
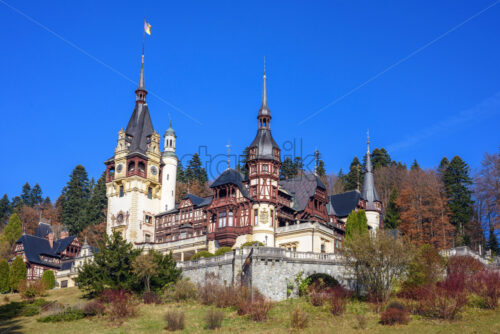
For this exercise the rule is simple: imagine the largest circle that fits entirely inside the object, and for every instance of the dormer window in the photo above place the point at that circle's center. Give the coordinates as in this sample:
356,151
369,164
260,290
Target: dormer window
141,167
131,166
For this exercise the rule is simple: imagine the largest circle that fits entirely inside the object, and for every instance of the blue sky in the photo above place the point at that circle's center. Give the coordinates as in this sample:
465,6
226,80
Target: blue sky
422,76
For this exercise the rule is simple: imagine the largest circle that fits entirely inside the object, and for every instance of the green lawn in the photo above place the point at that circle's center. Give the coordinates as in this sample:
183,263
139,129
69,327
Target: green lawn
150,320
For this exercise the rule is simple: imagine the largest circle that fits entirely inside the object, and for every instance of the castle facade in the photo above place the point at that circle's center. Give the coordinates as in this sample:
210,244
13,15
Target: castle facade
296,214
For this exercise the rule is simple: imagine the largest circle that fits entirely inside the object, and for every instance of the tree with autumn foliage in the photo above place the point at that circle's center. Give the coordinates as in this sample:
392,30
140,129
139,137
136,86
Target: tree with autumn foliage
424,215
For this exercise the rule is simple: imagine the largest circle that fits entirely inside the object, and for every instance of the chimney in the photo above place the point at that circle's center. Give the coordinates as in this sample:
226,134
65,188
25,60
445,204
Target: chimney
51,239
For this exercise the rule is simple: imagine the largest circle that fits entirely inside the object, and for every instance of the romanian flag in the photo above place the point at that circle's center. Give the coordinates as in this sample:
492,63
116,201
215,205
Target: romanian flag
147,27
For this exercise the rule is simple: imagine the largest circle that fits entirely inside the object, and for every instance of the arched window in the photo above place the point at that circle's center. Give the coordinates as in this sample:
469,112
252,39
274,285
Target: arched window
131,166
141,167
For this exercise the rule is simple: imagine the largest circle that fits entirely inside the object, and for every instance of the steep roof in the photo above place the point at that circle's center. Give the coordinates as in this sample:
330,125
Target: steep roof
198,201
368,192
139,129
343,204
231,176
264,143
35,246
302,189
43,230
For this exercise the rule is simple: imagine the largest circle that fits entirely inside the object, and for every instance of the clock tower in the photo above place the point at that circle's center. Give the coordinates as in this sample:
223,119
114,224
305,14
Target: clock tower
133,175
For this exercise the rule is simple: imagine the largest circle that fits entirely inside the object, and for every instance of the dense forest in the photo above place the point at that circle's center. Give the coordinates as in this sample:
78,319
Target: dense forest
446,206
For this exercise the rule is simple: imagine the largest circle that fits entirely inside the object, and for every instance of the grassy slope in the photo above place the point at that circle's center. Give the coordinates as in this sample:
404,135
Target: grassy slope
150,320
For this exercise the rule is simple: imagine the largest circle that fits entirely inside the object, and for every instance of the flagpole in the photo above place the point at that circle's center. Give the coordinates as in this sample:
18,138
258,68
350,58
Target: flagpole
143,38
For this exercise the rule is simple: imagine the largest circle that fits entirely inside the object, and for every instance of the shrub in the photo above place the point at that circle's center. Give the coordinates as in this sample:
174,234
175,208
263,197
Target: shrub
182,290
175,320
362,321
11,310
338,300
415,292
213,319
49,279
299,319
259,309
109,296
465,265
93,308
222,250
426,267
453,284
17,272
31,290
208,292
6,299
201,254
123,304
34,308
252,244
151,298
227,296
395,313
486,284
442,304
4,276
317,298
68,314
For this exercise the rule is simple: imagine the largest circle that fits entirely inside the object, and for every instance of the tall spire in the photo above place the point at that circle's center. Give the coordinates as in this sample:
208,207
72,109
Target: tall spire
141,91
369,193
264,116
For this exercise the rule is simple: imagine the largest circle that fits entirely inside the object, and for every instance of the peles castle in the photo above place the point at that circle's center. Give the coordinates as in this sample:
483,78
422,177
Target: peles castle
294,214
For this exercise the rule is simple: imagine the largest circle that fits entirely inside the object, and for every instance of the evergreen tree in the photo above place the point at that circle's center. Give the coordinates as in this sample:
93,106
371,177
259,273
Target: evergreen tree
13,230
76,197
195,171
17,272
36,195
16,204
298,166
321,168
415,165
46,201
49,279
287,169
443,165
4,276
392,213
181,177
4,210
98,202
356,224
457,184
493,242
242,166
167,271
354,178
111,268
380,158
26,194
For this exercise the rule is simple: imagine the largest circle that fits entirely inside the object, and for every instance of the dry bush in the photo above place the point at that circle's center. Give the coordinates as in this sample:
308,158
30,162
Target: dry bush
299,319
151,298
259,309
486,284
182,290
110,295
318,298
123,304
338,300
442,304
395,313
361,320
463,265
209,292
93,308
213,319
175,320
29,290
6,299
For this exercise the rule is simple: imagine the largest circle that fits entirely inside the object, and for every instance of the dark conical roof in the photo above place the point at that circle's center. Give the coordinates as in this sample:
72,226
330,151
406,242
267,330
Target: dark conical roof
231,176
139,129
369,193
264,143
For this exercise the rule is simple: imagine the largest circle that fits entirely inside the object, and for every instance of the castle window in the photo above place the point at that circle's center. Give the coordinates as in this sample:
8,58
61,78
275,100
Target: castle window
322,248
222,219
141,167
256,216
148,219
168,176
147,238
122,193
131,166
230,219
150,192
222,193
272,217
265,168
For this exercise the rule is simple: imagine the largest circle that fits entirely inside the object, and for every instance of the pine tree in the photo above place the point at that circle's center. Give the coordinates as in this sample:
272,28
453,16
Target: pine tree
457,184
380,158
46,201
243,159
17,272
493,242
16,204
13,230
181,177
287,169
415,165
356,224
392,213
443,165
76,197
26,194
98,202
4,210
354,178
298,166
4,276
36,195
195,171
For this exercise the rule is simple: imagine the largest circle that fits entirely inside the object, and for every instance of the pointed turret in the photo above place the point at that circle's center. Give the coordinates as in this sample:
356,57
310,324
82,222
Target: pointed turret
264,110
369,193
141,91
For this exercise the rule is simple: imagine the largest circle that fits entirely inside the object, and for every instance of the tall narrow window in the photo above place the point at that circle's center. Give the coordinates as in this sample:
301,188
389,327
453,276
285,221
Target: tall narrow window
256,216
122,193
230,219
150,193
272,217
